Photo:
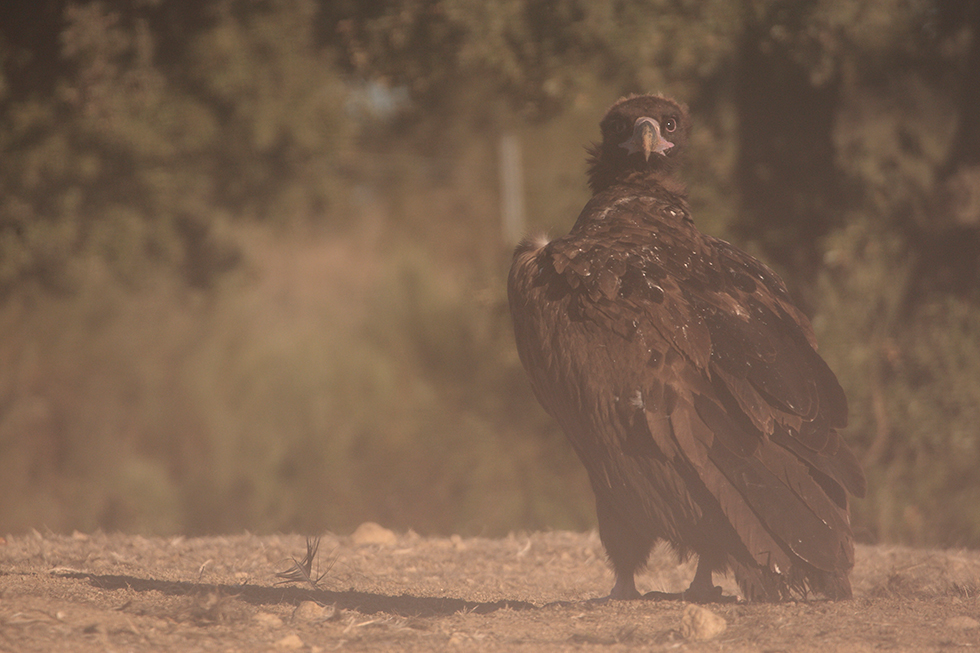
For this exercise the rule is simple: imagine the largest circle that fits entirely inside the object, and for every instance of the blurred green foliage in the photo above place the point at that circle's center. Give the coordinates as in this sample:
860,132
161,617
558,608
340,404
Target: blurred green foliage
251,270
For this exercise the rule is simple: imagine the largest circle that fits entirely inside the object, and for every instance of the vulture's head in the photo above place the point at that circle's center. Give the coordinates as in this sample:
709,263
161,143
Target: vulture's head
642,135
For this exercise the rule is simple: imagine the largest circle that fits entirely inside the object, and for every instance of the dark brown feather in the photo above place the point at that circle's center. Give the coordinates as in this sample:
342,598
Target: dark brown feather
686,380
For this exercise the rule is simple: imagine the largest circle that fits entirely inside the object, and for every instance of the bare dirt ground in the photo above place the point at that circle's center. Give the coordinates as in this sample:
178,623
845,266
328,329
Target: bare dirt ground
380,591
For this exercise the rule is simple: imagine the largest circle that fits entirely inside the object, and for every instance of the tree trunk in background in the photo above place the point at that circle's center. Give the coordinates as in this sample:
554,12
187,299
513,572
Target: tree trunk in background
948,241
790,188
512,219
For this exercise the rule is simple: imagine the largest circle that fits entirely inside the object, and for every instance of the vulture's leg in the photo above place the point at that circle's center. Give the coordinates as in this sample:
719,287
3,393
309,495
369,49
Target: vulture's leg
627,550
702,589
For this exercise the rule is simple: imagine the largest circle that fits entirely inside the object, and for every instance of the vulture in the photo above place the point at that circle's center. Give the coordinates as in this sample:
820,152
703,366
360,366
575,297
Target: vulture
686,380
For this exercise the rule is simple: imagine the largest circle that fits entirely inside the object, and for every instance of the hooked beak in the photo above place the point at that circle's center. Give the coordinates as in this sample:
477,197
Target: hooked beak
646,138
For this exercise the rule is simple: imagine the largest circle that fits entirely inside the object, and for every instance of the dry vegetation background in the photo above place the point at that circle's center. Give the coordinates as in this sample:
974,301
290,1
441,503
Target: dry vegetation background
252,272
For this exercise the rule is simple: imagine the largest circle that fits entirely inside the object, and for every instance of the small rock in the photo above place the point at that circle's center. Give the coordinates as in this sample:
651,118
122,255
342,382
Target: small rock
962,623
371,533
313,611
290,642
268,620
701,624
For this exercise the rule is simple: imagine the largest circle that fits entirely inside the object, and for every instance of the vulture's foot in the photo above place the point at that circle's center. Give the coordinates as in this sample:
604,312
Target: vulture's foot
663,596
702,590
623,590
712,594
697,595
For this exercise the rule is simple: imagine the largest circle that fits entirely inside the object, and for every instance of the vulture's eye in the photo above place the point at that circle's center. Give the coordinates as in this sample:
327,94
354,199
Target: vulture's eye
670,125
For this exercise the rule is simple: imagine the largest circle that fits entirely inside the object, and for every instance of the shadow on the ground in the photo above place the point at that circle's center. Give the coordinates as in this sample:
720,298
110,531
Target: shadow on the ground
365,602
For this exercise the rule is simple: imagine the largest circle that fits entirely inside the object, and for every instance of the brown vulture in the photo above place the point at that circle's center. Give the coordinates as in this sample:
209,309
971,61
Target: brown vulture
686,380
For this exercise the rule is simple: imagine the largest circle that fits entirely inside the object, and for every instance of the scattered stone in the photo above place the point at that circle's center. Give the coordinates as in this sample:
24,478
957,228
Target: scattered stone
371,533
65,571
268,620
962,623
701,624
290,642
313,611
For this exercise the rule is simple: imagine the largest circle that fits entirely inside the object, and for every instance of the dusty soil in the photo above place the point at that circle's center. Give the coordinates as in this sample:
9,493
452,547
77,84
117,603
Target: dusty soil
384,592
